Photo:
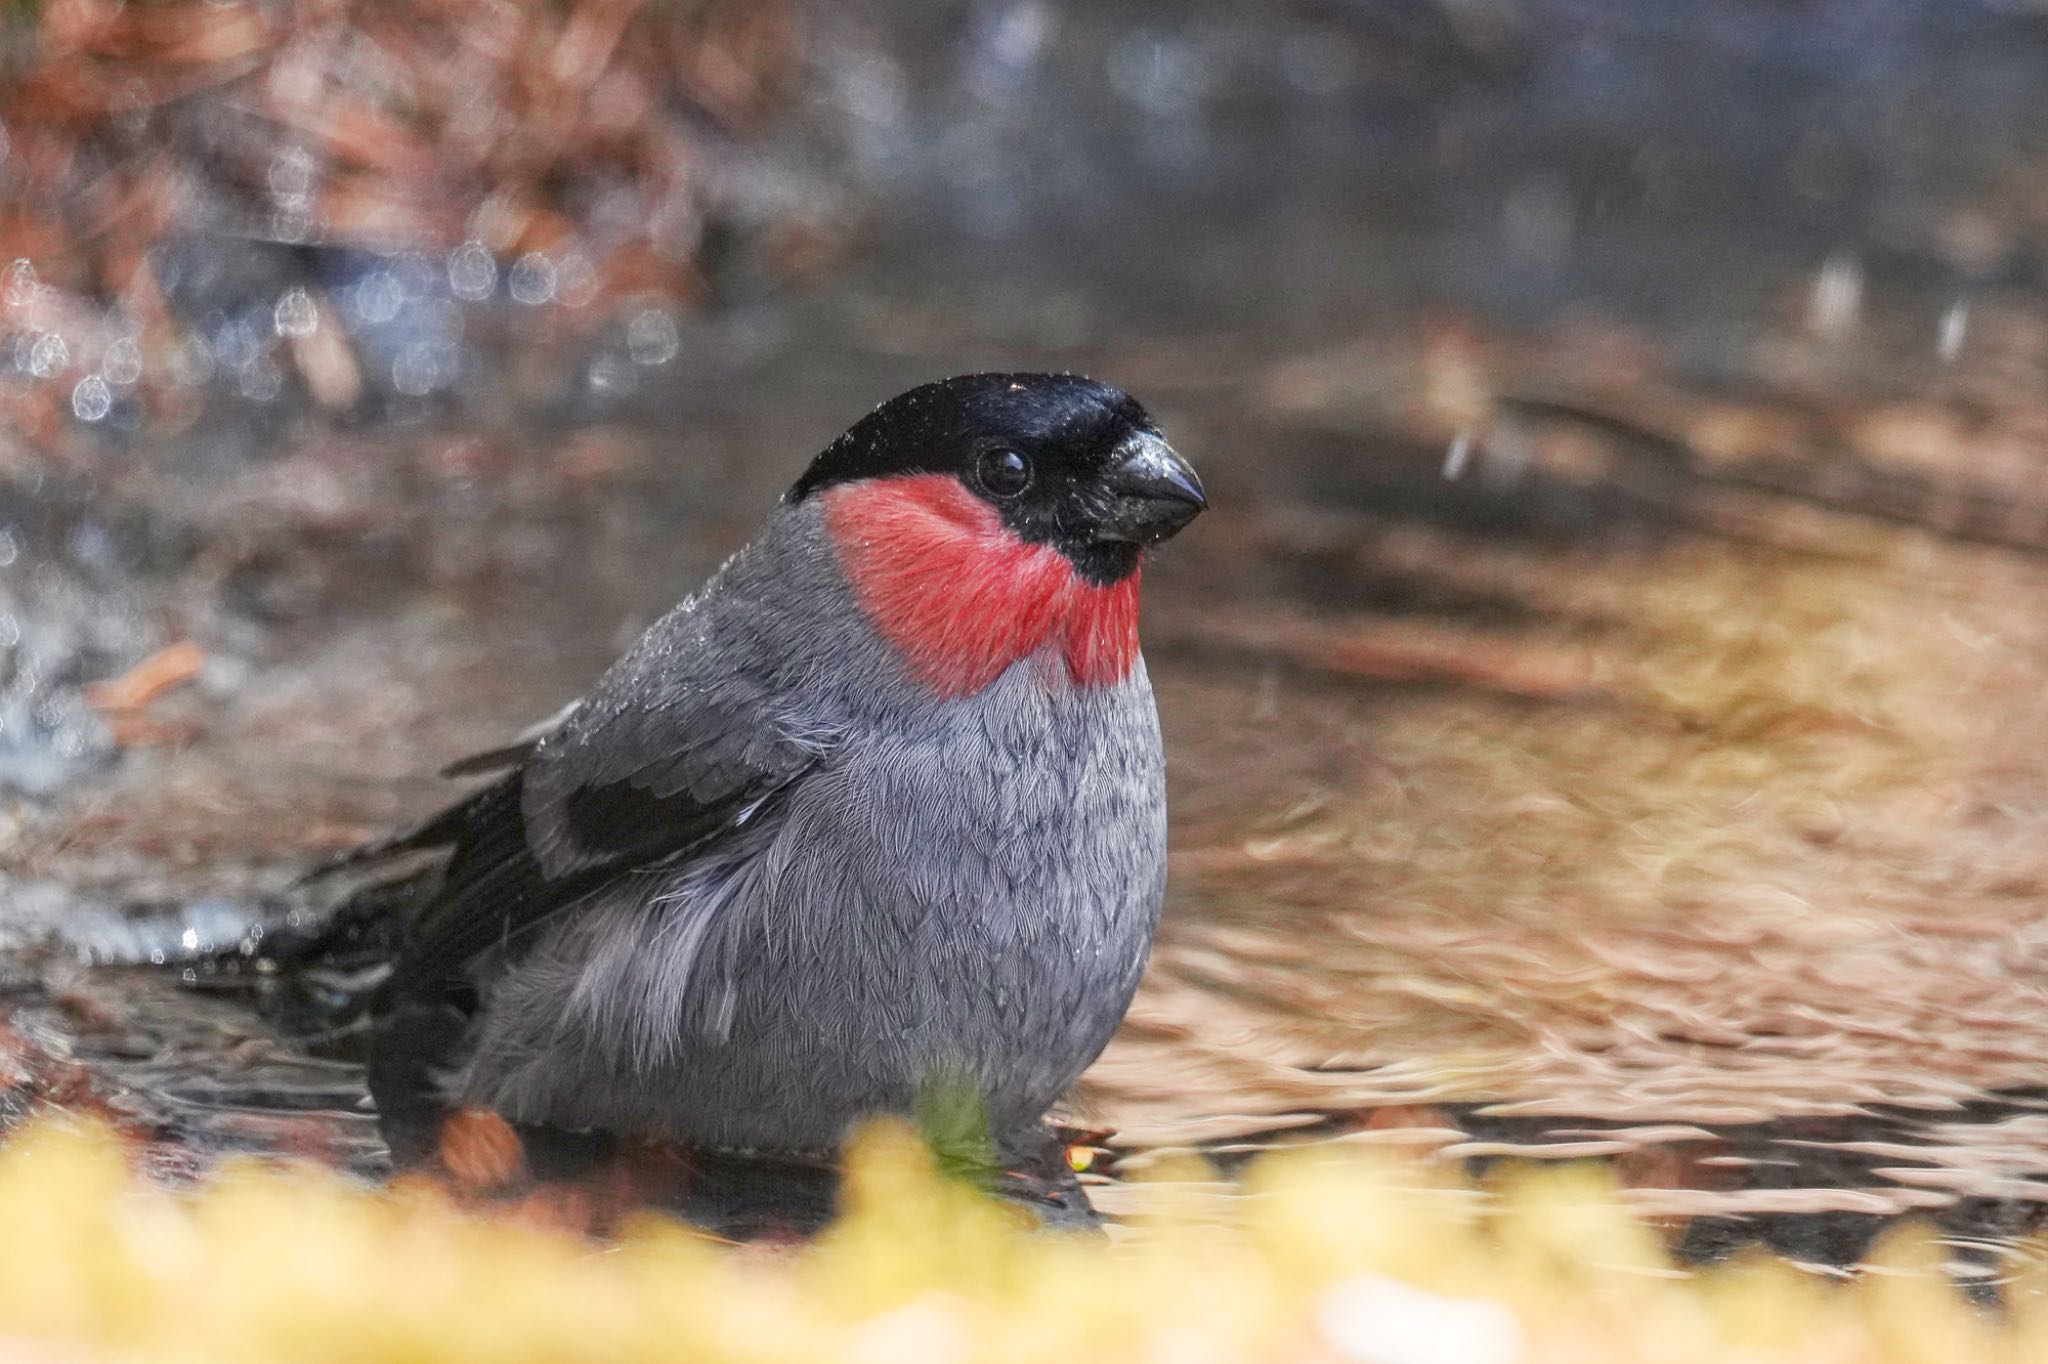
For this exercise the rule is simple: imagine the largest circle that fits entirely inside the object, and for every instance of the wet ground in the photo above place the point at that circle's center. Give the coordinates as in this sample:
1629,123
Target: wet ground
1604,702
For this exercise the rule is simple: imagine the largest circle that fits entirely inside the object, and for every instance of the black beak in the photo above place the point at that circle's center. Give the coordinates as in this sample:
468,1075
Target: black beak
1152,491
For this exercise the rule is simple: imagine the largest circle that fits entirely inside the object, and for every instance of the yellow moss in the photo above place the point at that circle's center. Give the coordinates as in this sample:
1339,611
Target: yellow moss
1320,1212
1908,1304
1763,1304
267,1263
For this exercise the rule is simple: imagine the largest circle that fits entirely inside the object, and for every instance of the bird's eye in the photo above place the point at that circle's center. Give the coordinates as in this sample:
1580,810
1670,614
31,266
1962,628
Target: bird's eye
1002,472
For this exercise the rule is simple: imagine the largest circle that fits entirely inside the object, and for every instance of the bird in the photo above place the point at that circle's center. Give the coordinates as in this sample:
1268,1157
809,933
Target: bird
874,816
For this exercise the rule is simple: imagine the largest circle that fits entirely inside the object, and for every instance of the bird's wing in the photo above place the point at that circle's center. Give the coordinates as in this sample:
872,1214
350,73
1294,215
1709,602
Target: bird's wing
668,757
444,827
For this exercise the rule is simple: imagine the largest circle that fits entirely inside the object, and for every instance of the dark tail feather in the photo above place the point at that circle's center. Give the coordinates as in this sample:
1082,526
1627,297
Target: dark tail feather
438,832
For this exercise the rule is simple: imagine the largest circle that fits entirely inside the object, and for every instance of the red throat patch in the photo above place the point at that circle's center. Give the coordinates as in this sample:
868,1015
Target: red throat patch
962,598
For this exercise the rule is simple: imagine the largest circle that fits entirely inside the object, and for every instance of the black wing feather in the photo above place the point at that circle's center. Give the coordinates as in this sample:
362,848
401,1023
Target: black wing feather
496,891
679,745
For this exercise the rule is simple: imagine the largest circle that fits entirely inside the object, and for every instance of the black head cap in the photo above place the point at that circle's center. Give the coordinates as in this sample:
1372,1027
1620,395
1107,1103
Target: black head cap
1066,461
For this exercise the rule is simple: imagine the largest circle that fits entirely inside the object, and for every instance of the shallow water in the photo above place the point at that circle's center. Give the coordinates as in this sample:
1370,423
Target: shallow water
1657,788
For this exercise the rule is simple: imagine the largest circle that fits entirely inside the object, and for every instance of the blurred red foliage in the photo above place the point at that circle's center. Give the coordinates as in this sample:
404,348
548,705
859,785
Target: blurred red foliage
587,131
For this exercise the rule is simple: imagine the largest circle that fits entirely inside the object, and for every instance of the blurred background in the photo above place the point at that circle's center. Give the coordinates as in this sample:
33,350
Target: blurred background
1604,704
